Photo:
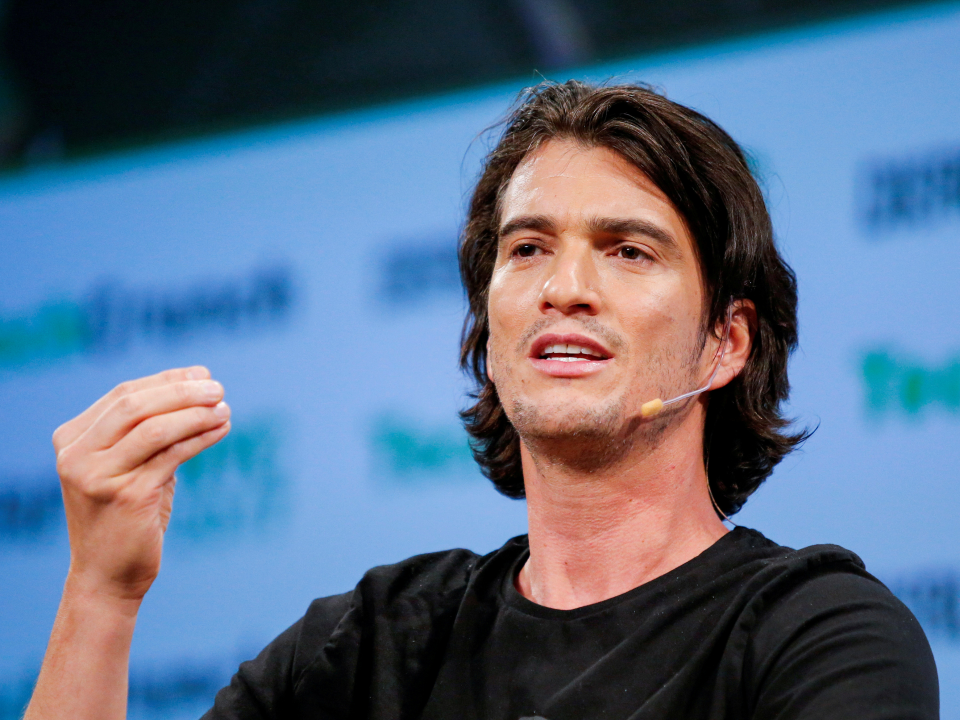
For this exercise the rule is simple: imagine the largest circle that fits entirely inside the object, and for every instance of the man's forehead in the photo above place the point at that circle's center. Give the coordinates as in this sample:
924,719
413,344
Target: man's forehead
565,183
564,158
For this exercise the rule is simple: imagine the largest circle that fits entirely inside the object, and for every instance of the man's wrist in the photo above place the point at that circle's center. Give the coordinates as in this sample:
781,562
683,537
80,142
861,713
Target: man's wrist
82,593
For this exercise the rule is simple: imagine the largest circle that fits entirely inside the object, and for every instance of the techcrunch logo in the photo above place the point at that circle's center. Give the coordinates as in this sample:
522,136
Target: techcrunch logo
934,597
894,384
406,451
414,273
237,485
912,191
110,317
31,508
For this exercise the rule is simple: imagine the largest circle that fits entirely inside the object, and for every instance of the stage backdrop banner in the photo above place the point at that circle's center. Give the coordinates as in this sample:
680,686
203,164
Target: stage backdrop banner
312,267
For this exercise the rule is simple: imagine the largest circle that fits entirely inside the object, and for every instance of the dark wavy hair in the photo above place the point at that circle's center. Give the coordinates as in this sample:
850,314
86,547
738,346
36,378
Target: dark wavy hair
706,176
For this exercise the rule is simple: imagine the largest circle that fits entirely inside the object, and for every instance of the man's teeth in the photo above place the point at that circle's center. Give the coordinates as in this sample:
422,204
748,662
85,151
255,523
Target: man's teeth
570,353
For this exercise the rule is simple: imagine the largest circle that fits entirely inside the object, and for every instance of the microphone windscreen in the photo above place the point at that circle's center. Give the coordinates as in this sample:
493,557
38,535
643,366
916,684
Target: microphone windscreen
649,409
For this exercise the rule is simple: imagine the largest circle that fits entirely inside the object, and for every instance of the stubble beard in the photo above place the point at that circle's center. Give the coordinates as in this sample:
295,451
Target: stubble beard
585,439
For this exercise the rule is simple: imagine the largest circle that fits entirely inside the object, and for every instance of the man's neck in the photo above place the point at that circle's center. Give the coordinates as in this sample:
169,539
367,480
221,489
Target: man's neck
595,535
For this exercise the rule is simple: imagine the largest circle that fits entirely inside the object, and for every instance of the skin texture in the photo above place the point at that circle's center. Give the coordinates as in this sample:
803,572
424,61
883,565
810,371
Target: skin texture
590,247
116,463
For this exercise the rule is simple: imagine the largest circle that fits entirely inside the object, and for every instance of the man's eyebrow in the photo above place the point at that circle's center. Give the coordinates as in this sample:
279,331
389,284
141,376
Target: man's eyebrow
600,226
634,226
540,223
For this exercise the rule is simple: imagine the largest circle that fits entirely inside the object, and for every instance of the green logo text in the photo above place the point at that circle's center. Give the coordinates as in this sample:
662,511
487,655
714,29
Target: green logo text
894,384
408,451
235,485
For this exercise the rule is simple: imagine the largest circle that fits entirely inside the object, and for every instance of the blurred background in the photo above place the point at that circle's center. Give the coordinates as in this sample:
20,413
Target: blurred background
274,188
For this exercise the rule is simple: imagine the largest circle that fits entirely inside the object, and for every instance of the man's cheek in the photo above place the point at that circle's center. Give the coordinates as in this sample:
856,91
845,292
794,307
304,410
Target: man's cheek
490,361
498,362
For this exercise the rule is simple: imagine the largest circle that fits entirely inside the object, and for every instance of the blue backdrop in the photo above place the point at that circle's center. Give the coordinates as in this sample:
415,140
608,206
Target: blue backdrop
312,268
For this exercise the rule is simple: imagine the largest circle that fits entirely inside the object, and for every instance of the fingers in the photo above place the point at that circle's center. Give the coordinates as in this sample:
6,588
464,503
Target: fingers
131,409
159,433
70,431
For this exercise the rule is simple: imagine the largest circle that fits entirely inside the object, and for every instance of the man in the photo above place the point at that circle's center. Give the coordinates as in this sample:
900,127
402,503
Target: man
629,326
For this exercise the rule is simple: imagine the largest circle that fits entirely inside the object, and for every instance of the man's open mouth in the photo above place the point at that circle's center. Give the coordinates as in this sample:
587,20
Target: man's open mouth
574,348
571,353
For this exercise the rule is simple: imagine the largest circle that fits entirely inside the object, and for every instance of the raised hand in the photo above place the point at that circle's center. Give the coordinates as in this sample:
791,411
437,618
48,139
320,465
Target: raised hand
116,463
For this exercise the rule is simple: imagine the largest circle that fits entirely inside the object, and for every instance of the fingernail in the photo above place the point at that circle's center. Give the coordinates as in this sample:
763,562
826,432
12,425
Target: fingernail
197,373
221,409
211,388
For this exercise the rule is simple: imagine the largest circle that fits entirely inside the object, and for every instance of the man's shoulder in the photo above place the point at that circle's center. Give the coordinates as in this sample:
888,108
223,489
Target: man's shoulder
435,573
407,606
818,579
770,561
782,589
822,576
815,615
428,577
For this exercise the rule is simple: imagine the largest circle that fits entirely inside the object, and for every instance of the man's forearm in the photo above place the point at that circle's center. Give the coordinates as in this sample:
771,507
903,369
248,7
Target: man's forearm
85,671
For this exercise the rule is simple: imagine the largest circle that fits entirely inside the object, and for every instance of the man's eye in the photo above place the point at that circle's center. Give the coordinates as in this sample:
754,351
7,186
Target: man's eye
629,252
526,250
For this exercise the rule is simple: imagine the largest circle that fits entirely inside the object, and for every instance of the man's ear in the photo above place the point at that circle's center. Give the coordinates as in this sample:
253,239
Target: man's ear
739,341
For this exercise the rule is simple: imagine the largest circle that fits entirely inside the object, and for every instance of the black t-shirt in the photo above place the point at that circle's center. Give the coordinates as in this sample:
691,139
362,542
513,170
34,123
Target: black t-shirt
748,629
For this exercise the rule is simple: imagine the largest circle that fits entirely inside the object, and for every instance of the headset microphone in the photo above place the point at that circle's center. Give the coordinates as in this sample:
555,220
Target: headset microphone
651,408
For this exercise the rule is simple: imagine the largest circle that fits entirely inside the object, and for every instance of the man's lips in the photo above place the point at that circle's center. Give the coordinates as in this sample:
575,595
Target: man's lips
568,355
569,345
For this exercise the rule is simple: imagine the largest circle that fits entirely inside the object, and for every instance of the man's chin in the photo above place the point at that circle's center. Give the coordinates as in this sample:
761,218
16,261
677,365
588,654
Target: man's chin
588,439
558,421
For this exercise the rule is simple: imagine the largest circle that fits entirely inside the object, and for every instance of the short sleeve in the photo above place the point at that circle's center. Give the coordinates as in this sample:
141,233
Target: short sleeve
266,688
841,645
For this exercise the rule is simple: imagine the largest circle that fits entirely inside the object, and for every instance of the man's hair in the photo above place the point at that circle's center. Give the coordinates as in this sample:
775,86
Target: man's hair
705,174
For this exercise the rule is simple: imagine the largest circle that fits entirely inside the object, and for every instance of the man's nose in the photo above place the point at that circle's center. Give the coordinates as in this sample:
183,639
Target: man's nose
572,285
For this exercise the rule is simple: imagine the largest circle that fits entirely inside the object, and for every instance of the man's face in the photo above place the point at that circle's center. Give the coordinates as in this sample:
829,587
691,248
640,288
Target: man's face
595,304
